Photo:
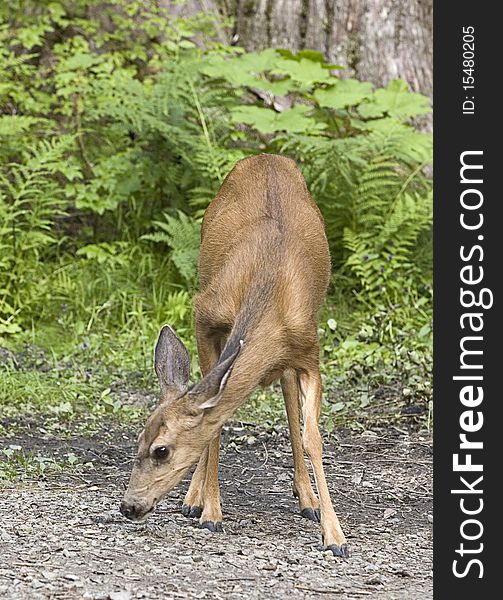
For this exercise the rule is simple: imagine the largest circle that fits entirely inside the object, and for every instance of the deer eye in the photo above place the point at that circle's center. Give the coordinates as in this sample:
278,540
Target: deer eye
161,452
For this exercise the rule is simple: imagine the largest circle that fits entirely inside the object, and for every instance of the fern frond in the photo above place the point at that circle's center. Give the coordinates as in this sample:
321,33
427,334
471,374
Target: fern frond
182,234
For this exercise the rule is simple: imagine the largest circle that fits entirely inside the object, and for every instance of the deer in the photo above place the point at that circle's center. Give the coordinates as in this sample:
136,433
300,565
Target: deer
264,269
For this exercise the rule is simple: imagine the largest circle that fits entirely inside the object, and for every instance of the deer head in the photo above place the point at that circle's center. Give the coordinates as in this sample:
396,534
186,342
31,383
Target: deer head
179,428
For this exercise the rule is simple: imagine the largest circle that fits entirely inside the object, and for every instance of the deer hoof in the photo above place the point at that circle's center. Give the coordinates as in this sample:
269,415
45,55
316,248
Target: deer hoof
313,514
212,526
341,550
191,511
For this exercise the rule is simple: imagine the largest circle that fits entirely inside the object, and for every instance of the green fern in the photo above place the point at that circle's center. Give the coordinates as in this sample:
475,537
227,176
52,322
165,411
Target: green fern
377,208
114,137
182,234
31,202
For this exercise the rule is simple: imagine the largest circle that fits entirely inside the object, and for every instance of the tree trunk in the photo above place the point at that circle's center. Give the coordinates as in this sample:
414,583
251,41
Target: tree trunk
375,40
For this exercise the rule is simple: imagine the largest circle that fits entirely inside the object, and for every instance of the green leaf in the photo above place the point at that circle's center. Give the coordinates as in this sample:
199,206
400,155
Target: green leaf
399,102
386,125
9,328
312,55
294,119
262,119
241,70
265,120
81,61
424,331
370,110
305,72
219,68
89,199
71,458
186,44
259,62
94,252
278,88
329,425
349,344
12,125
34,35
318,57
182,234
346,92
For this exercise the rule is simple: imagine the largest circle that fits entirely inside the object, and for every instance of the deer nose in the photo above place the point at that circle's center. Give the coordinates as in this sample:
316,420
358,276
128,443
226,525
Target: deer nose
128,510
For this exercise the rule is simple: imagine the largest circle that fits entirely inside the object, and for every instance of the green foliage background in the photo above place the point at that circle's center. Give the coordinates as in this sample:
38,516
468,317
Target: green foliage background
118,123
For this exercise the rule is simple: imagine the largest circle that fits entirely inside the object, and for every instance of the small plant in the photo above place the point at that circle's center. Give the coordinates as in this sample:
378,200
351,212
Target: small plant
16,463
182,234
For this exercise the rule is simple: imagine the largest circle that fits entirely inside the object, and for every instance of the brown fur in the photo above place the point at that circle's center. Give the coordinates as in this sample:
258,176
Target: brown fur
264,269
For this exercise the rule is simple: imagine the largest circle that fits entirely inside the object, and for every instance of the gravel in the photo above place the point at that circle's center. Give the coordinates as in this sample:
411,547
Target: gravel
63,537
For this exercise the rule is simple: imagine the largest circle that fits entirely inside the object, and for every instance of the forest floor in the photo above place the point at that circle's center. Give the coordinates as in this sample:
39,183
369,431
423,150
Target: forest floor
62,536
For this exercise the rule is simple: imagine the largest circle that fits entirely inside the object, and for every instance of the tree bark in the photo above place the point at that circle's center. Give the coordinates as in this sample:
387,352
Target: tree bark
374,40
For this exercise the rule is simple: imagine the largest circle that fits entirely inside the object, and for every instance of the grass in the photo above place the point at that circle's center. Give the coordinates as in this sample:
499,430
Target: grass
74,386
15,464
62,398
78,381
25,392
61,385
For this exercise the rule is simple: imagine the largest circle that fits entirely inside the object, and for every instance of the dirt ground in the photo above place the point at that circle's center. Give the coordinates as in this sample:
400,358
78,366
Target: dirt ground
63,537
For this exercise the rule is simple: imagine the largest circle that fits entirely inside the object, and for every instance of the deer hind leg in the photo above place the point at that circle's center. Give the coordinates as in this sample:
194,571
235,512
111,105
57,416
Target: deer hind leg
310,390
197,497
302,489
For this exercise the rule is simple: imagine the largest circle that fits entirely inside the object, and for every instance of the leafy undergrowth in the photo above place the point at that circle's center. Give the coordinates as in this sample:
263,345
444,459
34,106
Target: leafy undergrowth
58,389
79,385
16,463
75,389
113,142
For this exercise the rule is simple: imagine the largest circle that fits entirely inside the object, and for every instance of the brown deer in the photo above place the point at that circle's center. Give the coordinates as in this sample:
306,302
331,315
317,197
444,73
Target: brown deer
264,269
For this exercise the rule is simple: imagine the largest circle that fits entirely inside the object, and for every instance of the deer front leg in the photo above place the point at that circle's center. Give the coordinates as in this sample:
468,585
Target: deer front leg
310,389
194,498
302,489
211,517
203,496
193,502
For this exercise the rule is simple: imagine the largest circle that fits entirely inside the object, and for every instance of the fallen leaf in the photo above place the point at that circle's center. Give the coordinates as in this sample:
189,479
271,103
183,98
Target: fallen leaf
357,478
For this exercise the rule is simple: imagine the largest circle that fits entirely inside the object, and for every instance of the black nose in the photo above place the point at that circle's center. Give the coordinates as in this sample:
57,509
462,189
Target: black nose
128,510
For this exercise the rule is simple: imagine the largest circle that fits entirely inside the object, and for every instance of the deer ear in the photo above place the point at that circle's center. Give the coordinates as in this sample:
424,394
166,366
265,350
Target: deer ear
208,391
172,362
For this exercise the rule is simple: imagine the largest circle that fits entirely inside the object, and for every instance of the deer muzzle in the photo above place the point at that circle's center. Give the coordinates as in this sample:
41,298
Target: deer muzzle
136,510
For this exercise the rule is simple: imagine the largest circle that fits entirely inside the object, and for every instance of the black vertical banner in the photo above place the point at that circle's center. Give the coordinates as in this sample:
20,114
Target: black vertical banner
467,320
